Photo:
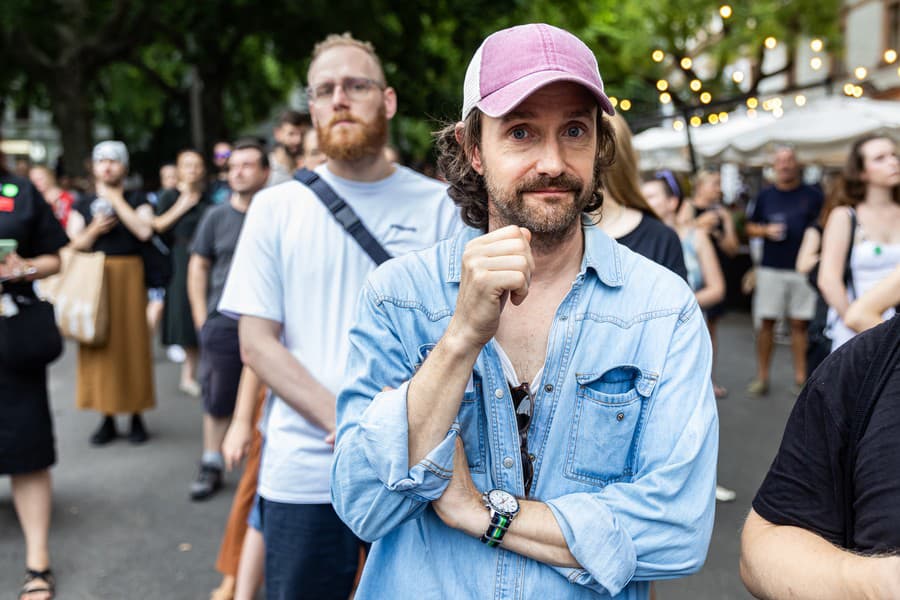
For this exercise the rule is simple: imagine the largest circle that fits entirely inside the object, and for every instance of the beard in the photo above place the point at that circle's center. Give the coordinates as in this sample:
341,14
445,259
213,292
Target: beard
550,220
353,144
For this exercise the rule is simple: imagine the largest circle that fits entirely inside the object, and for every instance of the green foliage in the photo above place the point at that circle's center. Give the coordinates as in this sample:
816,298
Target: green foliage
249,55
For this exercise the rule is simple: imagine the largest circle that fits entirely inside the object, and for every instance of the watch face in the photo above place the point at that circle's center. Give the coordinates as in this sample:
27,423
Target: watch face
503,502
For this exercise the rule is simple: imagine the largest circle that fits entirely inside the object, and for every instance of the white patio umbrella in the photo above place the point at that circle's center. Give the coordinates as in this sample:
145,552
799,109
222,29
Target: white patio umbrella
819,132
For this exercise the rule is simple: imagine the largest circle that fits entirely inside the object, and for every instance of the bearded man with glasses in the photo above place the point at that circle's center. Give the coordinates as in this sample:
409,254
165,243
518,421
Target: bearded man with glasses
294,282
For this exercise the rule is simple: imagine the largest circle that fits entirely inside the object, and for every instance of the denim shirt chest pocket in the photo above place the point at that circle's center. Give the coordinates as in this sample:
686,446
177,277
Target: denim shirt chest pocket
471,417
608,418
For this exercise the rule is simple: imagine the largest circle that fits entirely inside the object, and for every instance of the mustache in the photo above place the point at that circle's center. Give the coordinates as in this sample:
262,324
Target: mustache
564,182
343,115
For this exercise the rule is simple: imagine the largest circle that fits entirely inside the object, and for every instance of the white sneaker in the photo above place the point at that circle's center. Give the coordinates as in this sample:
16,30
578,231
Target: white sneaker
176,354
723,494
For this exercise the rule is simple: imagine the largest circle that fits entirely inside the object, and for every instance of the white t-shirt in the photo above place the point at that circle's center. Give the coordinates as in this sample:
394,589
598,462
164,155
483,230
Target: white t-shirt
296,265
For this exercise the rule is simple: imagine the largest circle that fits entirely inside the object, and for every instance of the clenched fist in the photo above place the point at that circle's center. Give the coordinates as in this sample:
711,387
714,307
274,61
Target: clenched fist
495,267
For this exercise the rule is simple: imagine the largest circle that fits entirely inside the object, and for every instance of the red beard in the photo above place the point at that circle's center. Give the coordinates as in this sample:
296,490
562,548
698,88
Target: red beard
353,143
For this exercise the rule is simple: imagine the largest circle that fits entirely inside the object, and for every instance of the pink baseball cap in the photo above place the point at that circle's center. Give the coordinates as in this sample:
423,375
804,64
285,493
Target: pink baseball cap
513,63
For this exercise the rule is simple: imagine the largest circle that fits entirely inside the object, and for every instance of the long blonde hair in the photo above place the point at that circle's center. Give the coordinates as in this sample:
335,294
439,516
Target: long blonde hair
622,180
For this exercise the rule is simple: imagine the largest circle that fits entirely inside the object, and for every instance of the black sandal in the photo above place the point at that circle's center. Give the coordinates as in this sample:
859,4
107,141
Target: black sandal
31,575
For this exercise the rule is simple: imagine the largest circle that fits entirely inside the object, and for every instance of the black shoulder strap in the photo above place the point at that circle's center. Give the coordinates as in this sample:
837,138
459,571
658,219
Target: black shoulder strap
343,214
885,360
848,271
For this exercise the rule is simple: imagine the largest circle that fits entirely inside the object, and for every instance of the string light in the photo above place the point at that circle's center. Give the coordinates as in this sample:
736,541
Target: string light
890,56
800,100
665,98
816,45
857,91
723,117
696,121
686,63
625,104
752,103
713,119
860,73
658,55
725,11
696,84
662,85
751,112
770,42
778,112
848,89
678,125
614,101
705,97
816,63
737,76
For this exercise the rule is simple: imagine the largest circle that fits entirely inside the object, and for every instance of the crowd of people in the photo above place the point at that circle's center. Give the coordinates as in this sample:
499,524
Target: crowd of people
532,368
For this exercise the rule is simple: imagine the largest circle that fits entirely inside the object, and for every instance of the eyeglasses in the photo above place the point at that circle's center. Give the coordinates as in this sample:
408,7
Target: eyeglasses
356,88
523,401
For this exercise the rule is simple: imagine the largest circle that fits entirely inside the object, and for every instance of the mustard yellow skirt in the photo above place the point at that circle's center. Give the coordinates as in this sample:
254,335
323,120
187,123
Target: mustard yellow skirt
117,378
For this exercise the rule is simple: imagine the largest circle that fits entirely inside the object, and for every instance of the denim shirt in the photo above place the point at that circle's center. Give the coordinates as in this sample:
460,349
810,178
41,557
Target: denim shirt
624,433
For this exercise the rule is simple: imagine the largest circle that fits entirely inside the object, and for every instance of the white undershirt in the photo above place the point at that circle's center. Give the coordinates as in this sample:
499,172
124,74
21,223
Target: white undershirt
509,371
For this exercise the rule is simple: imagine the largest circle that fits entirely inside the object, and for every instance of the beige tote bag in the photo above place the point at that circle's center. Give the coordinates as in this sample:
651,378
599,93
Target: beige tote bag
79,297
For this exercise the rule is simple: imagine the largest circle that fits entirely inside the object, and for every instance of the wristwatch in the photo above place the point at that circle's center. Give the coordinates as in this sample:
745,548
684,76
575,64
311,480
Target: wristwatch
503,507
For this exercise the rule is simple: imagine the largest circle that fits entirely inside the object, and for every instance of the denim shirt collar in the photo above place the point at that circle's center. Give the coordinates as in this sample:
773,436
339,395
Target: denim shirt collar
601,255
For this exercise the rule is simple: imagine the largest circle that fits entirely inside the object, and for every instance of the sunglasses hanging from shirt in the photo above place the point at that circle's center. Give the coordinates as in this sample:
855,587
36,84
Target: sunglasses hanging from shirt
343,214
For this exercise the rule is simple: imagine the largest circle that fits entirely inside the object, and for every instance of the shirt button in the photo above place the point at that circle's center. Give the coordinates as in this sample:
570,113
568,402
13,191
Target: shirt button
548,388
498,393
508,462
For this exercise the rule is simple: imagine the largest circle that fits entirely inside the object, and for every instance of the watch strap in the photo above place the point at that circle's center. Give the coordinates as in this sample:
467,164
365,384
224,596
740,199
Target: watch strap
493,537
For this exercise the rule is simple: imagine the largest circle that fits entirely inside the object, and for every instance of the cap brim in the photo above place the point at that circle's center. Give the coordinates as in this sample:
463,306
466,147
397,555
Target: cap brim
507,98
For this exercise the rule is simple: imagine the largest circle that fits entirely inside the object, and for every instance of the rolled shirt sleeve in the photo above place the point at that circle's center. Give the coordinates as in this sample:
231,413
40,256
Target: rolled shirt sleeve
658,525
373,488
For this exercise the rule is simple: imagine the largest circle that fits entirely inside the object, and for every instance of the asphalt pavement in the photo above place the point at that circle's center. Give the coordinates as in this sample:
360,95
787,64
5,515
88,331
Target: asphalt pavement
123,527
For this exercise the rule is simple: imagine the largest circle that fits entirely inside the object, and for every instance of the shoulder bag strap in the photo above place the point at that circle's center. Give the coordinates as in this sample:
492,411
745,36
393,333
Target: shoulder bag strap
343,214
848,270
878,372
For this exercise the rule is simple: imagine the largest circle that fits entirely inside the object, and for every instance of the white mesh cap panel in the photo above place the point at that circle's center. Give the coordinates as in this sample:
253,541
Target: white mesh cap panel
472,84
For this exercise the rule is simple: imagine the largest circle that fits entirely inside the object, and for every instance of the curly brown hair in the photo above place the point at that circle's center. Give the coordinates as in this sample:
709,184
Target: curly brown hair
467,187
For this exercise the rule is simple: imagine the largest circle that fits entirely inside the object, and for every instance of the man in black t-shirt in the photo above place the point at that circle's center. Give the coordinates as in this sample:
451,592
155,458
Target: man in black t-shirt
220,355
780,216
810,533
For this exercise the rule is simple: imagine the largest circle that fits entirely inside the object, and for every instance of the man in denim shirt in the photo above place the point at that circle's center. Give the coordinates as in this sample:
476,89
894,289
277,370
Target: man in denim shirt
529,382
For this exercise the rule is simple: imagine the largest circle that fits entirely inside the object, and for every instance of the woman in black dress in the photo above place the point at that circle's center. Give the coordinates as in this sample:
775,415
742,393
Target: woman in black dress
178,214
26,431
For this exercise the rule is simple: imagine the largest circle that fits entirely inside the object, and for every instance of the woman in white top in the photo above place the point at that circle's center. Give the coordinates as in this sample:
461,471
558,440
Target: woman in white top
872,194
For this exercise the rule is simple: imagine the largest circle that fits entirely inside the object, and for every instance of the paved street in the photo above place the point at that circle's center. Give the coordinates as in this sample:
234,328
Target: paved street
123,527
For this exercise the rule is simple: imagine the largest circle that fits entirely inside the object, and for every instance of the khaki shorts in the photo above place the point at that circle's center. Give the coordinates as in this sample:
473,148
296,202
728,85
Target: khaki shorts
781,293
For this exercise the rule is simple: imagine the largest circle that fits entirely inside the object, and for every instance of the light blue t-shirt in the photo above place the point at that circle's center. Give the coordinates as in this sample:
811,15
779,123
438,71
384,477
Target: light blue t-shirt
296,265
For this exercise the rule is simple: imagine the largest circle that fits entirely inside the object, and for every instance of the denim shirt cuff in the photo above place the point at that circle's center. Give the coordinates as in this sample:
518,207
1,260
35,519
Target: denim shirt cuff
385,439
599,544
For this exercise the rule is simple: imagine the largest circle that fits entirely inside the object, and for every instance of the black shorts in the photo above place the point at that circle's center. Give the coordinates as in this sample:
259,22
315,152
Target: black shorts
220,365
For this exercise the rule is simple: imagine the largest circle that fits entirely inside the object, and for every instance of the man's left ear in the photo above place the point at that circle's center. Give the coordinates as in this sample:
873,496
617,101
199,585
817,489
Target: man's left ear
390,102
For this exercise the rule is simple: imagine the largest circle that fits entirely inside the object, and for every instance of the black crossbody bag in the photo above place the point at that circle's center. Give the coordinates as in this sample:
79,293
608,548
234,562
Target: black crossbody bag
343,214
30,339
